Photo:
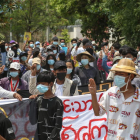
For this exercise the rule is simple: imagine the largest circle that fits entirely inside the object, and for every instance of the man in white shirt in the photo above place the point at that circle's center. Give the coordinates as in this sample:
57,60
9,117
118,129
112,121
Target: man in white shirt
77,50
121,102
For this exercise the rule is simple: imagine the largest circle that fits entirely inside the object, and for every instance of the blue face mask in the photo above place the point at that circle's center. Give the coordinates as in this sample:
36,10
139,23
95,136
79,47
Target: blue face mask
14,73
54,51
38,46
42,88
74,44
23,58
94,47
51,62
38,67
119,81
62,44
69,71
55,43
84,61
31,45
129,58
6,47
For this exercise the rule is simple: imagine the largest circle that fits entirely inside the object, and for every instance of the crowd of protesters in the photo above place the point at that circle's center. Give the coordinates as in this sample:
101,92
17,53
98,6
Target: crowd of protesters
52,69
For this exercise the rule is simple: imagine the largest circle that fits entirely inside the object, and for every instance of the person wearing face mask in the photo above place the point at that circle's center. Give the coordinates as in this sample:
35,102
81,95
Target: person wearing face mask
56,54
14,82
36,64
50,60
55,42
23,62
63,46
61,55
62,85
121,102
85,71
71,72
37,44
50,109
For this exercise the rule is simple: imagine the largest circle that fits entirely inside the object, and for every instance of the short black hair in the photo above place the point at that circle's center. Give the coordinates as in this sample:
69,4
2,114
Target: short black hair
46,76
62,39
30,41
122,50
88,44
132,51
116,45
43,44
55,38
85,40
74,39
36,52
90,50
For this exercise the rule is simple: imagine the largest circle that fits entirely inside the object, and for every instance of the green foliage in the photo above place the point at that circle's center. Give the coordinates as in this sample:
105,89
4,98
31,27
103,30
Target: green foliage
65,35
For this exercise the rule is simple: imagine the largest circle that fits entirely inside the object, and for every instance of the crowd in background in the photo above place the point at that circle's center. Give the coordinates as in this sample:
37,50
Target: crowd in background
64,68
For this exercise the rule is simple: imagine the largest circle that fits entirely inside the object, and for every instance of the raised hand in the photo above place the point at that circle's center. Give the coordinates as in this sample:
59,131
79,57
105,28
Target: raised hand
106,51
101,54
92,86
2,69
33,70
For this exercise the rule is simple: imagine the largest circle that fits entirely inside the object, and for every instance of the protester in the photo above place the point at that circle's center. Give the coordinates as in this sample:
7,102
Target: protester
85,71
37,44
14,82
116,46
35,53
24,66
71,72
6,129
62,86
28,47
50,109
55,42
15,48
129,53
50,60
37,62
104,45
121,102
77,50
62,56
63,46
53,47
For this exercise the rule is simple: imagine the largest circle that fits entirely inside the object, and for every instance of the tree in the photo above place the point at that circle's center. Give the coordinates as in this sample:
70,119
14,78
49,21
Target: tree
125,16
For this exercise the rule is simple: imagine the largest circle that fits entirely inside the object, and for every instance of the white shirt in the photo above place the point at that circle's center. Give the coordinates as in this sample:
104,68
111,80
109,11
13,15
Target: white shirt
59,90
30,61
123,115
75,52
6,94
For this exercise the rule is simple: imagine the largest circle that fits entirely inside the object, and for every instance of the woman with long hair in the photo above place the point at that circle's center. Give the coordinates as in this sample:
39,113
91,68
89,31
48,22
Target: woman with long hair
71,72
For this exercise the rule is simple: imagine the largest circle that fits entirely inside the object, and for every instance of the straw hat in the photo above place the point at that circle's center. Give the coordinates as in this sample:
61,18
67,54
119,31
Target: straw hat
125,65
78,57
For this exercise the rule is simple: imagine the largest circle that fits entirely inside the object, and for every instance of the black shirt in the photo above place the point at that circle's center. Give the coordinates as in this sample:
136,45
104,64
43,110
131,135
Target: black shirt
6,129
86,74
50,114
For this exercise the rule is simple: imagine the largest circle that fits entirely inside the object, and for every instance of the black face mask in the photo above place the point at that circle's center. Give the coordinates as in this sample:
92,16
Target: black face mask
61,76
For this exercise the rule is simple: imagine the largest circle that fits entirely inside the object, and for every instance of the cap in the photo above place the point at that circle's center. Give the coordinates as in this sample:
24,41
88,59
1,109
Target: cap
116,58
36,61
12,41
55,38
15,65
23,54
59,64
37,42
15,45
125,65
61,51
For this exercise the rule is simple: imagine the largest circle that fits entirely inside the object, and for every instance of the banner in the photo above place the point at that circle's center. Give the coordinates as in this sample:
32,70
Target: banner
27,35
79,122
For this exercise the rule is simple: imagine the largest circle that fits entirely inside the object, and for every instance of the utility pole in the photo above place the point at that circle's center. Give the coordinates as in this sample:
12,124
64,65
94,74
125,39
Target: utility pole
10,27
